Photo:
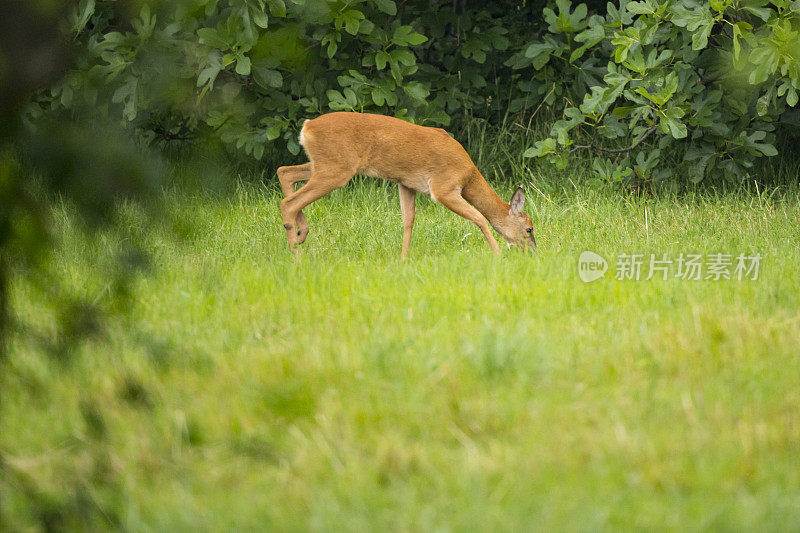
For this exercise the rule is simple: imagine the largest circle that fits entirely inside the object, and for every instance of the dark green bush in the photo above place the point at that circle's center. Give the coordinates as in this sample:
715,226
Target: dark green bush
700,85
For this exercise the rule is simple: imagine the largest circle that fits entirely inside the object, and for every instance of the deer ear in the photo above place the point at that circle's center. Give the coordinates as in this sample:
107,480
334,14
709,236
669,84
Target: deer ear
517,202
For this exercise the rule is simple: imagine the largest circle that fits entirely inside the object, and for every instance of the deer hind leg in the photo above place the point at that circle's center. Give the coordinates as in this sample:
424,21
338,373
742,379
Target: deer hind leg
319,184
456,203
288,176
408,209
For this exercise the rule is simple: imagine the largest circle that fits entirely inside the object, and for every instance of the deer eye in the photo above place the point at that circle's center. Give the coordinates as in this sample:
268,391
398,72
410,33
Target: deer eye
529,230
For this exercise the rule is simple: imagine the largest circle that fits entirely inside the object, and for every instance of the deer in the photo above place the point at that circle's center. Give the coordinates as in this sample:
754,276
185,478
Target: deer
420,159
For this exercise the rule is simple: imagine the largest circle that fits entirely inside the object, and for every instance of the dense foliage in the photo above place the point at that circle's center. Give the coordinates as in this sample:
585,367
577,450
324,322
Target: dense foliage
700,85
249,71
710,81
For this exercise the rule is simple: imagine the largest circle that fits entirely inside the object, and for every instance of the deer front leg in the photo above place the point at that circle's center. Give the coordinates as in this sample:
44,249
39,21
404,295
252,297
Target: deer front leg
408,209
319,184
288,176
456,203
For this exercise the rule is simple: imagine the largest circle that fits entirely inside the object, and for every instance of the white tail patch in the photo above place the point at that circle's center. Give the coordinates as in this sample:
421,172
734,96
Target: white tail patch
301,138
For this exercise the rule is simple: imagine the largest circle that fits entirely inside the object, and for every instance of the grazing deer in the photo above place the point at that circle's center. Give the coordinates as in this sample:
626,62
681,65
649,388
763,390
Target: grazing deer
417,158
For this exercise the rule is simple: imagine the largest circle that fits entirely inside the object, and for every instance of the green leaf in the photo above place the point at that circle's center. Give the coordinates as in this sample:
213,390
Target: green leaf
791,97
639,8
589,37
292,145
700,37
127,96
635,62
397,73
387,6
565,22
381,58
351,26
273,132
752,142
260,18
674,112
761,12
335,99
210,37
664,93
350,97
145,25
332,40
541,148
352,20
600,98
404,56
534,49
624,111
82,14
737,32
121,93
762,104
673,127
577,53
669,88
390,95
767,149
405,35
594,34
277,8
210,72
623,42
616,77
591,101
695,17
415,39
648,33
258,151
539,54
766,59
378,97
243,65
416,90
366,27
267,78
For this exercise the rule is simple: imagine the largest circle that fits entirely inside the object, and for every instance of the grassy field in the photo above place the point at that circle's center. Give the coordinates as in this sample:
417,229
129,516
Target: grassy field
239,388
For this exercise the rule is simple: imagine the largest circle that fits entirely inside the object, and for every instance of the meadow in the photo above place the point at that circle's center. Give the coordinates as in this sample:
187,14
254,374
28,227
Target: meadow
238,388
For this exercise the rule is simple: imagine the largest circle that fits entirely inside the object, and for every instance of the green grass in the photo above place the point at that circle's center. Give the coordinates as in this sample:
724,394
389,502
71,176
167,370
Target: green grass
349,390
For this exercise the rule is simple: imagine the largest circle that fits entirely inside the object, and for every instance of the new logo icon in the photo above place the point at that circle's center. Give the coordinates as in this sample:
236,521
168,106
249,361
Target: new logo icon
591,266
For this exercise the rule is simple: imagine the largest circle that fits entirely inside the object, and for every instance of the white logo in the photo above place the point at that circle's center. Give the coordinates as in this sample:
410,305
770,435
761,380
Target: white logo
591,266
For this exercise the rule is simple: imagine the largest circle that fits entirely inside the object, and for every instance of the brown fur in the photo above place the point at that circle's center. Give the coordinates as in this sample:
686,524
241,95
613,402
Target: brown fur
417,158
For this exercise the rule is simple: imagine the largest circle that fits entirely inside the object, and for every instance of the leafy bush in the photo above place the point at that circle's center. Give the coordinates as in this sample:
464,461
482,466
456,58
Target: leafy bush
654,90
248,71
702,85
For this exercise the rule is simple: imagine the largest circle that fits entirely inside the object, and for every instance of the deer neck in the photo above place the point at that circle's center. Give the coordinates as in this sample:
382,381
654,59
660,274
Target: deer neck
484,199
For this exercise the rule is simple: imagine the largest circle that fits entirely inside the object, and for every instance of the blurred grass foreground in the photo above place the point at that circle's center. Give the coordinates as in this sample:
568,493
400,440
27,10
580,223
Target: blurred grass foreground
242,389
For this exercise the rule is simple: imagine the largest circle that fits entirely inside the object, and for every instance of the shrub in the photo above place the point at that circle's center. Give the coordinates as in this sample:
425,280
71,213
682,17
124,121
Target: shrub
655,91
